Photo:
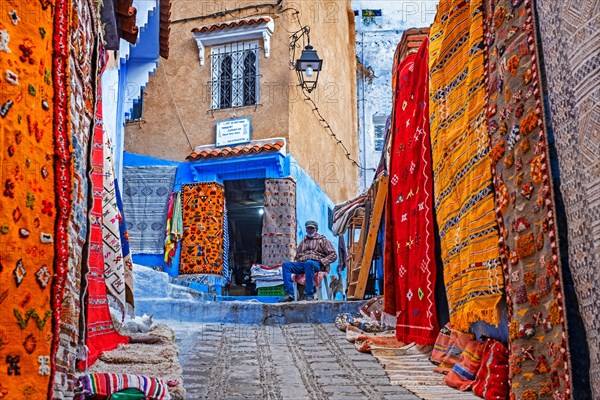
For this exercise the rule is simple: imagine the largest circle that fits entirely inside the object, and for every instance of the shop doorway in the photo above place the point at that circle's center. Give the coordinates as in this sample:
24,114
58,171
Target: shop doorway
245,208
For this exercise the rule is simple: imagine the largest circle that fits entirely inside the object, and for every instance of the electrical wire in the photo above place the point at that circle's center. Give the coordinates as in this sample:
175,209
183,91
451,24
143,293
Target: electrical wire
327,126
176,108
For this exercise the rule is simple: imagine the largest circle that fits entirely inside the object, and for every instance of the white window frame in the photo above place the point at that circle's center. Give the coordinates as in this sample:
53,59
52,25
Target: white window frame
235,33
237,51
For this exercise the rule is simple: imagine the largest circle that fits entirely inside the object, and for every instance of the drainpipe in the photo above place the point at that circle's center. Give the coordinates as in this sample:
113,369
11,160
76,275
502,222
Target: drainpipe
364,131
361,117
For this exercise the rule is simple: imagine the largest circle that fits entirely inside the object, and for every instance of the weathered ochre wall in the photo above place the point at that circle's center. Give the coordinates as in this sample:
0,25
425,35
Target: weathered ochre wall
177,99
332,35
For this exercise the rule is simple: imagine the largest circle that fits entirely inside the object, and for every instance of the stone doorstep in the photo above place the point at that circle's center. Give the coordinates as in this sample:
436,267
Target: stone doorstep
234,312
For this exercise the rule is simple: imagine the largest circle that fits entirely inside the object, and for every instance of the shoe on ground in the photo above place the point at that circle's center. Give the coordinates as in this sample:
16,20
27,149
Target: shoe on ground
287,299
309,298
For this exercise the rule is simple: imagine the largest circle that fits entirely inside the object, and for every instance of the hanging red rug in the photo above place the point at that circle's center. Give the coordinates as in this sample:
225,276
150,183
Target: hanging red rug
411,219
101,333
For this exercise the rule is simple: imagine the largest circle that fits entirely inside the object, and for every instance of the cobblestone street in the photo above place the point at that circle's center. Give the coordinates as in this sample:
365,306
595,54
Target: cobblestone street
294,361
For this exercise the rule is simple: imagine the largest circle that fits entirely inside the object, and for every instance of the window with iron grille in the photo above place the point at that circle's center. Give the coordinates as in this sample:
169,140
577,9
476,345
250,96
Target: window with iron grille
234,75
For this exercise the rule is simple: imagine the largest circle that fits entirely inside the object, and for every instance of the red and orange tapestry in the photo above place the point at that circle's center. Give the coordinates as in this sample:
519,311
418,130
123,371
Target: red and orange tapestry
28,196
203,206
411,204
539,356
464,198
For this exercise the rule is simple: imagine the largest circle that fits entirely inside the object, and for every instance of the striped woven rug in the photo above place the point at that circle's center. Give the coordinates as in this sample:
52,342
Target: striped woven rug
463,190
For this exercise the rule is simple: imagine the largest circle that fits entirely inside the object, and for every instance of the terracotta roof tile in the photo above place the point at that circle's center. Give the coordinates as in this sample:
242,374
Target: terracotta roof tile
239,150
232,24
165,27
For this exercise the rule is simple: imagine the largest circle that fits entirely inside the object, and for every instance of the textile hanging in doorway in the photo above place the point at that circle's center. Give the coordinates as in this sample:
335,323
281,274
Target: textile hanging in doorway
539,356
464,199
279,221
203,221
411,204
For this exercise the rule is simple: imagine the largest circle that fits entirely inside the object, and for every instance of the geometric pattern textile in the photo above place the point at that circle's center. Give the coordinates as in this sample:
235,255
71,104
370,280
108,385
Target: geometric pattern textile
29,189
127,261
79,59
226,272
570,32
279,221
81,115
146,192
463,189
411,203
538,351
203,217
114,267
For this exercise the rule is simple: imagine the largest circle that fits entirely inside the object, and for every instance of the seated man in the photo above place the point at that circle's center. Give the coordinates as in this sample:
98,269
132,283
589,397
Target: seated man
314,254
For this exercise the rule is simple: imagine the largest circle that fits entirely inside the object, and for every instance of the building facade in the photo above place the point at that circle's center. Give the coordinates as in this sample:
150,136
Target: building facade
182,103
226,109
379,28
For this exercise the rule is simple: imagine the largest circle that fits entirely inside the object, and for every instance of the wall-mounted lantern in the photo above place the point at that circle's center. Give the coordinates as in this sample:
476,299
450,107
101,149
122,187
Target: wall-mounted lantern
309,65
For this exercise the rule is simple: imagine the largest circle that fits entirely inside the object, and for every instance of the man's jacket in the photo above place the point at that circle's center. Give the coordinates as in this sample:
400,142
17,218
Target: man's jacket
316,248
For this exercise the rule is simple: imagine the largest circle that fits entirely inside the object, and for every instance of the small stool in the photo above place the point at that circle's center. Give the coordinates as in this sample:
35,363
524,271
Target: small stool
318,281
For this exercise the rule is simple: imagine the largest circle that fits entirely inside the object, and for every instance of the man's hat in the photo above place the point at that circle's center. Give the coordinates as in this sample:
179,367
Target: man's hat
311,223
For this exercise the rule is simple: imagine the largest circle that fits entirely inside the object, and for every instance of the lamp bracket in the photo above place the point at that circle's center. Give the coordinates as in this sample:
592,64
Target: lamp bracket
294,39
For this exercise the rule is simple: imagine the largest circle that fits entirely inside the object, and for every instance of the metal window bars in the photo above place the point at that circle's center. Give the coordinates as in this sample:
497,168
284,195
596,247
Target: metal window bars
234,75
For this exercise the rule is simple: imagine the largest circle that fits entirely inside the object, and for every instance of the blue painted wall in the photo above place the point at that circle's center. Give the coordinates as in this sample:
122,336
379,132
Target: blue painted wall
137,160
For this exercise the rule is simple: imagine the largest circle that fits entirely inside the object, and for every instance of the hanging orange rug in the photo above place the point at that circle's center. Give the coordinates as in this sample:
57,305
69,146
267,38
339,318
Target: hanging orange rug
203,207
28,196
463,190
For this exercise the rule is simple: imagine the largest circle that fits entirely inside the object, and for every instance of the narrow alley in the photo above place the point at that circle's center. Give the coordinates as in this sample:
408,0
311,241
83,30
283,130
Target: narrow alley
311,199
295,362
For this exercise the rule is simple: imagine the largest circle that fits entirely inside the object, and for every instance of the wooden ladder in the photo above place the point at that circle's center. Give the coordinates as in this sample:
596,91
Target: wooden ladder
358,272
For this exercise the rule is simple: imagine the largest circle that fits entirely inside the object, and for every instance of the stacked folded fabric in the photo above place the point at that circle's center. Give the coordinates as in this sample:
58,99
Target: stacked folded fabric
266,276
